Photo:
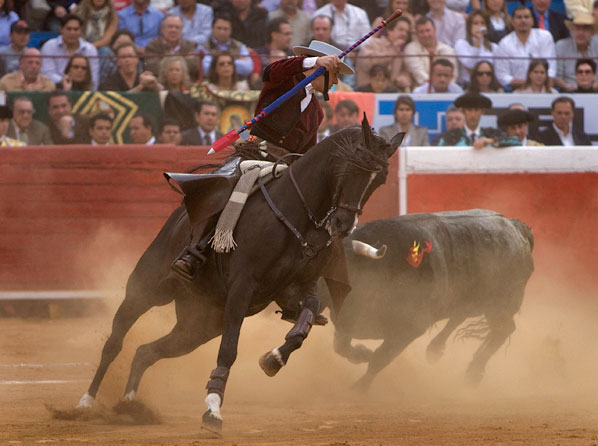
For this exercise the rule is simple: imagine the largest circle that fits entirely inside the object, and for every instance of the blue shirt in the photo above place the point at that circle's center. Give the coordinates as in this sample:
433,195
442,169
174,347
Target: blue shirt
197,29
54,66
5,21
537,15
144,30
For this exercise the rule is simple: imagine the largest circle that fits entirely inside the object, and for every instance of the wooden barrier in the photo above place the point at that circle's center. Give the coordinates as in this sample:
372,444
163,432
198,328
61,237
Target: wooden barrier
70,214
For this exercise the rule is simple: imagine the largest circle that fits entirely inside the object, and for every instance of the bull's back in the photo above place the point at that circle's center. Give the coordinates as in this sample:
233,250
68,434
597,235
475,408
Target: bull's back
436,265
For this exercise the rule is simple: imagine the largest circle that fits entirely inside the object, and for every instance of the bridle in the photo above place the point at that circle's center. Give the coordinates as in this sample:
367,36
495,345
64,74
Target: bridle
310,250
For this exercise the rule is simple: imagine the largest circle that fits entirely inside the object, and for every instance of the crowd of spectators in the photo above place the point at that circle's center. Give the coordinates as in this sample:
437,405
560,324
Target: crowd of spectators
436,46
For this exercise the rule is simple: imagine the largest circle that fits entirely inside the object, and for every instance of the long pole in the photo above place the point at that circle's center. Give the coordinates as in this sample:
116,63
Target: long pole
233,135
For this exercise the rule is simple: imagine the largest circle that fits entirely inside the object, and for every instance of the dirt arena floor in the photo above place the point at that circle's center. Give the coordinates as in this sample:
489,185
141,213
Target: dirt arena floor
540,389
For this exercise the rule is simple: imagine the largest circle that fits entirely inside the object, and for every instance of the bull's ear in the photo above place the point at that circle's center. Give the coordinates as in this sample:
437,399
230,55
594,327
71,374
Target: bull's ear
367,132
395,142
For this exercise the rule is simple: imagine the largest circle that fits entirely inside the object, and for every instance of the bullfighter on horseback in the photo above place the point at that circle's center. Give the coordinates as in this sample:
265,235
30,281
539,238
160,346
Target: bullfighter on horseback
292,129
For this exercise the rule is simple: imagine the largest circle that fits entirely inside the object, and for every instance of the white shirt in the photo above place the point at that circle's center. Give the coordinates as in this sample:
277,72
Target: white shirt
468,132
308,62
212,134
419,67
151,142
566,140
53,67
470,55
539,44
452,88
450,28
349,26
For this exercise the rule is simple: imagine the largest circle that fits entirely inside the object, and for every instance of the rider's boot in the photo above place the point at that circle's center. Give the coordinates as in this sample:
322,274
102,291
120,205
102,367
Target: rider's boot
188,262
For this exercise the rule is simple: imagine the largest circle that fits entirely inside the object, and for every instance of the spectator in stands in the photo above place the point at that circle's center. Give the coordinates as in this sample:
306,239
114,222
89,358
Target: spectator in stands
325,125
170,43
77,75
454,119
476,46
450,25
249,23
392,6
28,77
582,44
197,19
278,41
585,75
220,40
321,29
5,117
207,116
299,20
562,132
537,80
24,128
11,54
386,51
500,22
552,21
515,49
108,63
418,52
404,111
56,52
141,130
222,75
170,132
379,81
100,129
515,123
442,73
346,113
350,22
66,127
473,106
100,22
127,78
7,18
142,20
483,79
174,75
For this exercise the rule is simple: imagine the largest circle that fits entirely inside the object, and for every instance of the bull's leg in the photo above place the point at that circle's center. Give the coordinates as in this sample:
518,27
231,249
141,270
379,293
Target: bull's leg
388,350
272,361
197,323
436,346
237,305
500,329
357,353
132,307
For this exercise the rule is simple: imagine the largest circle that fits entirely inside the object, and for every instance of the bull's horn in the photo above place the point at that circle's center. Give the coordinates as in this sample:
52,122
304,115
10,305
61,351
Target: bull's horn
363,249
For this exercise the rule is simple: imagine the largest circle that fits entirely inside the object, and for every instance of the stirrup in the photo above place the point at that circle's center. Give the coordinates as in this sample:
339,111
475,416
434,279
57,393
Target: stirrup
190,253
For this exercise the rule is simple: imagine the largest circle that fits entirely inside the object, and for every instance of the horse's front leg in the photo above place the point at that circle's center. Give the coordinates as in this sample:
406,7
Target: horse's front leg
237,305
272,361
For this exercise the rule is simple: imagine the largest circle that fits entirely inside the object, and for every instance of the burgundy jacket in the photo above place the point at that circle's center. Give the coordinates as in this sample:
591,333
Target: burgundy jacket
286,126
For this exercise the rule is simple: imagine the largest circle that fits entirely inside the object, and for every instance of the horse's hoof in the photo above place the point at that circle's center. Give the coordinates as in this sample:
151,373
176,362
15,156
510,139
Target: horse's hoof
473,377
86,401
271,362
211,423
434,353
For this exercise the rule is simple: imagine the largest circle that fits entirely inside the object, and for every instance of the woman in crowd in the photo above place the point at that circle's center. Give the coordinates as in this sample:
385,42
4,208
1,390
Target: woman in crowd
174,74
222,74
537,80
386,51
476,46
77,75
100,21
7,18
483,79
403,113
500,22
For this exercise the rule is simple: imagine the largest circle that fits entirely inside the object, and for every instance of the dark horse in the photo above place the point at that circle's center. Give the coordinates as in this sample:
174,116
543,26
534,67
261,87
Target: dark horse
273,262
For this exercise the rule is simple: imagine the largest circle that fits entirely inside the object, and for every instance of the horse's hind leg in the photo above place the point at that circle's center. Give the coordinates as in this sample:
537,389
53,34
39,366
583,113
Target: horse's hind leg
357,353
436,346
132,307
197,323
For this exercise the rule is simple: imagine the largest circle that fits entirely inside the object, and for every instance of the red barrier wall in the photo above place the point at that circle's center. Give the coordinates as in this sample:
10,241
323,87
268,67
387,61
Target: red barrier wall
69,214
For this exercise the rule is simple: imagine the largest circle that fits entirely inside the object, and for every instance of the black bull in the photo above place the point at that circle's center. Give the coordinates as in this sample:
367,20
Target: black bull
447,265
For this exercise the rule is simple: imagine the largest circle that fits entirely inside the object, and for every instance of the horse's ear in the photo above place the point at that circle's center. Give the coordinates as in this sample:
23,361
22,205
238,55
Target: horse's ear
395,142
367,132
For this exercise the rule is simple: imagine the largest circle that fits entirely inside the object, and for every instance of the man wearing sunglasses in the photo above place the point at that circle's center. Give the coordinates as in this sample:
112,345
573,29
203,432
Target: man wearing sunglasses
24,128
